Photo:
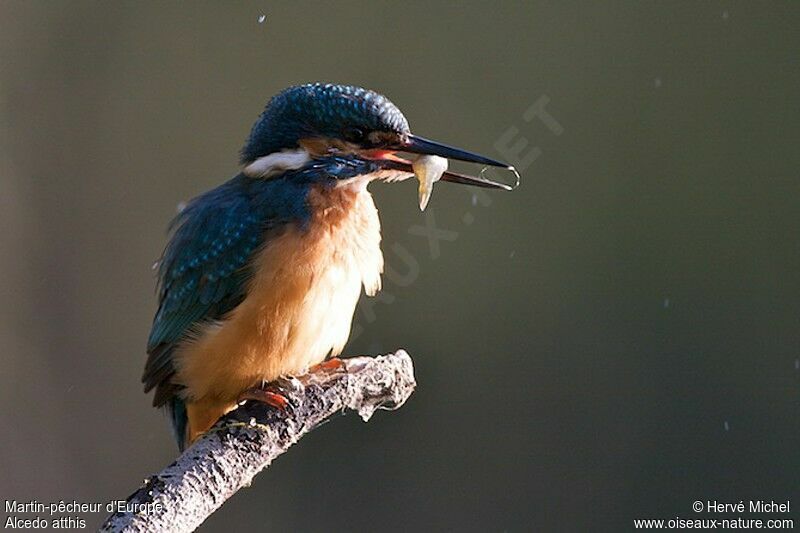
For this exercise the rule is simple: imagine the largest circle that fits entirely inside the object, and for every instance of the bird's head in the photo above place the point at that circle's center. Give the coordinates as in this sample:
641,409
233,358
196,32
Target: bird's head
308,122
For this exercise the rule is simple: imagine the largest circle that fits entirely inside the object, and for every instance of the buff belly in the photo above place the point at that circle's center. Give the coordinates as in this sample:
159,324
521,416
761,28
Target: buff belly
298,309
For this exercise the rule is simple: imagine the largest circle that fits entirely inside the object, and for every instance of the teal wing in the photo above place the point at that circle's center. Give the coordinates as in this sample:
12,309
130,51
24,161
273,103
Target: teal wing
203,275
204,270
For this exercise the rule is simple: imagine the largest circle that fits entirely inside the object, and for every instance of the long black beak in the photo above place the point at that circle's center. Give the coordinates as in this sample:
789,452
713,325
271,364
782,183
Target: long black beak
420,145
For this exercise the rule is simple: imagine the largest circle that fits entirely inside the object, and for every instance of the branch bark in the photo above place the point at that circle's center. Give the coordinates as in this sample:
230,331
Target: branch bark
248,439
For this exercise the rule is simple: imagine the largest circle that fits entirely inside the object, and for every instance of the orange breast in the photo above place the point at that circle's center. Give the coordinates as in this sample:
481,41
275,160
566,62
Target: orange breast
299,305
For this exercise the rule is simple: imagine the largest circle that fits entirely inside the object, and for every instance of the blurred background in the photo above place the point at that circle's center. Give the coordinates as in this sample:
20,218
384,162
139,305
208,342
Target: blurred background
613,340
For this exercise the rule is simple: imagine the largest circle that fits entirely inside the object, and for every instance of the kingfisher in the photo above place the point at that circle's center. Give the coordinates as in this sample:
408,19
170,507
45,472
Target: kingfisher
262,274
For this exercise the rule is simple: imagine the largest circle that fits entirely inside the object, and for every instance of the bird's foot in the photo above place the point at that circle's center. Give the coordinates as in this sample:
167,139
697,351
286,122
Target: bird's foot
271,398
324,371
272,393
334,364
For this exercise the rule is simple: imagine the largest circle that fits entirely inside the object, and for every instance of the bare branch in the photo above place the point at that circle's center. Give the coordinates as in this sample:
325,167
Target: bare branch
247,440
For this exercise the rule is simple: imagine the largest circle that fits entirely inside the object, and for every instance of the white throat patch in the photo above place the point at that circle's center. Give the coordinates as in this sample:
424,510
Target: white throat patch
275,163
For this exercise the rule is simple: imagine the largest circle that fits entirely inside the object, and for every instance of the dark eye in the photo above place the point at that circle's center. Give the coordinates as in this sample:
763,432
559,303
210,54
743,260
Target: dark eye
353,134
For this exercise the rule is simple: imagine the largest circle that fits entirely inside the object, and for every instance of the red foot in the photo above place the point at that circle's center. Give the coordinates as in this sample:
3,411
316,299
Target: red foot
269,397
332,364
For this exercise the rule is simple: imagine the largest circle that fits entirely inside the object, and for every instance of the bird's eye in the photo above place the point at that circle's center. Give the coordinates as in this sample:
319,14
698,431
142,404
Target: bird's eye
353,134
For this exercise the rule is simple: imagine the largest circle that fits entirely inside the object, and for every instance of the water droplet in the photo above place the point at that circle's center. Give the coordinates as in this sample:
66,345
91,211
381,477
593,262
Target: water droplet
261,19
657,82
154,266
726,426
180,207
797,364
725,15
666,303
511,255
488,173
474,199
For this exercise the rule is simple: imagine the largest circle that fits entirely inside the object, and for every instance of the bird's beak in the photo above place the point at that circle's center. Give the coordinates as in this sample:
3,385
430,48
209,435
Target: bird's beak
419,145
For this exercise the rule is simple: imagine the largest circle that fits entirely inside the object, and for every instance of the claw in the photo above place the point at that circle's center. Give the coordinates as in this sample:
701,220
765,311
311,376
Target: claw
265,395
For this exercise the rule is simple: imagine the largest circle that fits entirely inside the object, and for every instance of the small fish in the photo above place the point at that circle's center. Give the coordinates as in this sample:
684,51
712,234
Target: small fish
428,169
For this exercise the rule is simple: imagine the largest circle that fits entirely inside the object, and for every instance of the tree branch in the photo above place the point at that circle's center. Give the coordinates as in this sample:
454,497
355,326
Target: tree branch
247,440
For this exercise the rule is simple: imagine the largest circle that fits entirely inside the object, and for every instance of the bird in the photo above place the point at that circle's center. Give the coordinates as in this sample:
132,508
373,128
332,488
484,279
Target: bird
261,275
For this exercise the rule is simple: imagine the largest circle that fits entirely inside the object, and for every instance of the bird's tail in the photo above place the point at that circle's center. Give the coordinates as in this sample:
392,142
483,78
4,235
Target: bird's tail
178,418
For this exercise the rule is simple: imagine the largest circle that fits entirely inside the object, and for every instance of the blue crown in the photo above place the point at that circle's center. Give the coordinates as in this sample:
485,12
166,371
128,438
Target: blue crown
320,110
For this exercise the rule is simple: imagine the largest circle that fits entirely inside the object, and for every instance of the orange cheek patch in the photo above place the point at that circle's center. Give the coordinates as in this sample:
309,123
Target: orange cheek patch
320,146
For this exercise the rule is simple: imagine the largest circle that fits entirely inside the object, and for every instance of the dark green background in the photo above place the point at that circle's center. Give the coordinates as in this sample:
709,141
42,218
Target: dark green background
617,338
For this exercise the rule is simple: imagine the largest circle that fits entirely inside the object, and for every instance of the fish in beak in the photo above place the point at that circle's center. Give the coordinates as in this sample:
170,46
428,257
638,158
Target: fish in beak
431,165
428,169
